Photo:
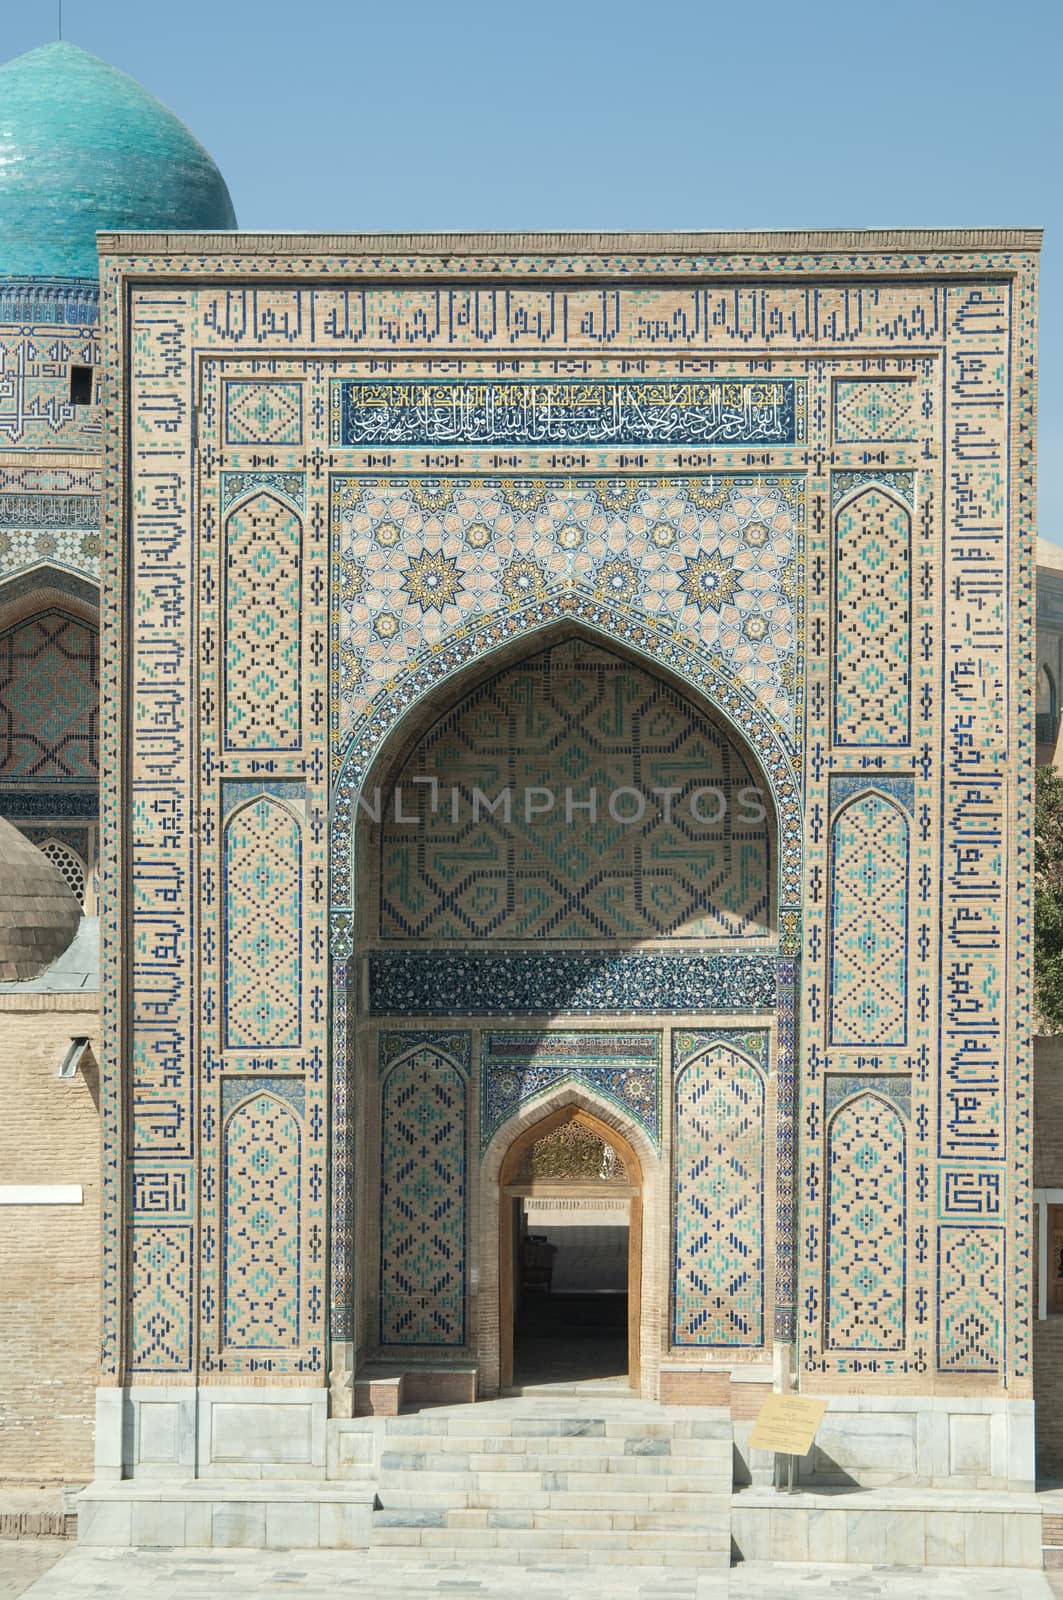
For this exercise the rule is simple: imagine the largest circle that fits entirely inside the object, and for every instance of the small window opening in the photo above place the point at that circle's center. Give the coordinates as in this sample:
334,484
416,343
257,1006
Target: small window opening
81,386
1055,1261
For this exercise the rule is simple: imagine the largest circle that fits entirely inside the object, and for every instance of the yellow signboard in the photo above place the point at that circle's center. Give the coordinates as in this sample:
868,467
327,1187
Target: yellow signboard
787,1423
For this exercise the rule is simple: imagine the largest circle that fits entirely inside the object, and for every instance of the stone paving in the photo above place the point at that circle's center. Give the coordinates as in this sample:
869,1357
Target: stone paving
317,1575
22,1561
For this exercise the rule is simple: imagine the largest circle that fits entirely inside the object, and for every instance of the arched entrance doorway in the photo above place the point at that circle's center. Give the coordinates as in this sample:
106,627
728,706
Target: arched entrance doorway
569,889
556,1291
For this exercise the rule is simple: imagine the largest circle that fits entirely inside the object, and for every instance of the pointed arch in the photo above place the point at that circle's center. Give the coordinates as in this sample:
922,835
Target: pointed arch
261,1224
262,925
718,1216
576,721
867,1179
868,918
440,677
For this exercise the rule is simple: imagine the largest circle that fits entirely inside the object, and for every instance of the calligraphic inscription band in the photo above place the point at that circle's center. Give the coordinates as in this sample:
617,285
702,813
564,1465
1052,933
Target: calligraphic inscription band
731,412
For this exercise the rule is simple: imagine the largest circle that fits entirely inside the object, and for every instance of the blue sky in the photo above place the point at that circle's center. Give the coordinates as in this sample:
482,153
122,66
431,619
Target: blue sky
333,115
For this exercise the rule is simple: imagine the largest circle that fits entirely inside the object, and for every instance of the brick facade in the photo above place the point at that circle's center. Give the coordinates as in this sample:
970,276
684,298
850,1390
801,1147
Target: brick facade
50,1307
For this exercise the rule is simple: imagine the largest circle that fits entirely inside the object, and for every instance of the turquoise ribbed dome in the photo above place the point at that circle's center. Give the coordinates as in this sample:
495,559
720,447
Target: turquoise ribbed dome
84,147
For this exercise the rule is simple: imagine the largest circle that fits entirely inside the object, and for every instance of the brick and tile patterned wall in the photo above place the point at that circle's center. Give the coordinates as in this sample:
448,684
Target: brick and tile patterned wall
50,1310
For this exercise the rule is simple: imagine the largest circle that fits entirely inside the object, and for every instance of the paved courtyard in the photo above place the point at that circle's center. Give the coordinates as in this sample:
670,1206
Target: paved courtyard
314,1575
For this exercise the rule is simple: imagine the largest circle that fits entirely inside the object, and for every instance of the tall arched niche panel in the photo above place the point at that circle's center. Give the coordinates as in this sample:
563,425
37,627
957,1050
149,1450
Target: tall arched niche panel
866,1225
423,1191
262,926
719,1146
869,869
262,1197
872,619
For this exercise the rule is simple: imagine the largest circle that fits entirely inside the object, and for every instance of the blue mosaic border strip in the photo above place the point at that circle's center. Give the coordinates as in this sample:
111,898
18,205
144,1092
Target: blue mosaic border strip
441,984
72,301
516,413
48,803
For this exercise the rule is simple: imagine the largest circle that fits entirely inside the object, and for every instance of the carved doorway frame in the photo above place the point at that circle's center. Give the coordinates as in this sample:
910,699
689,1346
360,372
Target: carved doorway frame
509,1189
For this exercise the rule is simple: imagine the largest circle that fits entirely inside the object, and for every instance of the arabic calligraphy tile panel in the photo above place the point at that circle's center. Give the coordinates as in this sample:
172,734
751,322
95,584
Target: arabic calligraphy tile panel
423,1199
262,853
718,1214
35,409
49,700
623,1068
876,411
262,1224
867,1232
263,698
869,924
584,725
736,412
714,560
872,619
971,1311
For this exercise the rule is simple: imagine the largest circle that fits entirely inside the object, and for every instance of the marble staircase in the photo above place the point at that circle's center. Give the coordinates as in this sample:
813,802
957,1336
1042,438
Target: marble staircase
577,1482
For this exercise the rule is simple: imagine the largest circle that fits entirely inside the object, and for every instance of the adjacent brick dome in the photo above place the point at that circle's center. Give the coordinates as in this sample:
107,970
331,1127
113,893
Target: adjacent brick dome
38,914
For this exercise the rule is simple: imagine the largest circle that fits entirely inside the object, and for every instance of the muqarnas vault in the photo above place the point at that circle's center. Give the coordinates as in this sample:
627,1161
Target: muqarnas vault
659,516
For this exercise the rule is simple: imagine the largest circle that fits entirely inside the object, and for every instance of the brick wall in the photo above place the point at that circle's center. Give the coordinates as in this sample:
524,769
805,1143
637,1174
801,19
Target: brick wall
50,1300
1048,1174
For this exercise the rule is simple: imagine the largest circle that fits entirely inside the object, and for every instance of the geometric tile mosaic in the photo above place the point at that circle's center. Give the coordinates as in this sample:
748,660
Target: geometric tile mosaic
423,1181
869,923
718,1218
866,1226
261,1227
49,699
713,559
872,619
263,687
263,926
263,412
161,1298
882,411
511,851
970,1298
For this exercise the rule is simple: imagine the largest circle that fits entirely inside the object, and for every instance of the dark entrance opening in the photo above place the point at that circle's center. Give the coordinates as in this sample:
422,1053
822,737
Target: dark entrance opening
571,1258
570,1321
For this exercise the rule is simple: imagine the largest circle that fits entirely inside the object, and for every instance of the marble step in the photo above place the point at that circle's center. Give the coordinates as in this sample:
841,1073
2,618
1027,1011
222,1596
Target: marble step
508,1450
553,1547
